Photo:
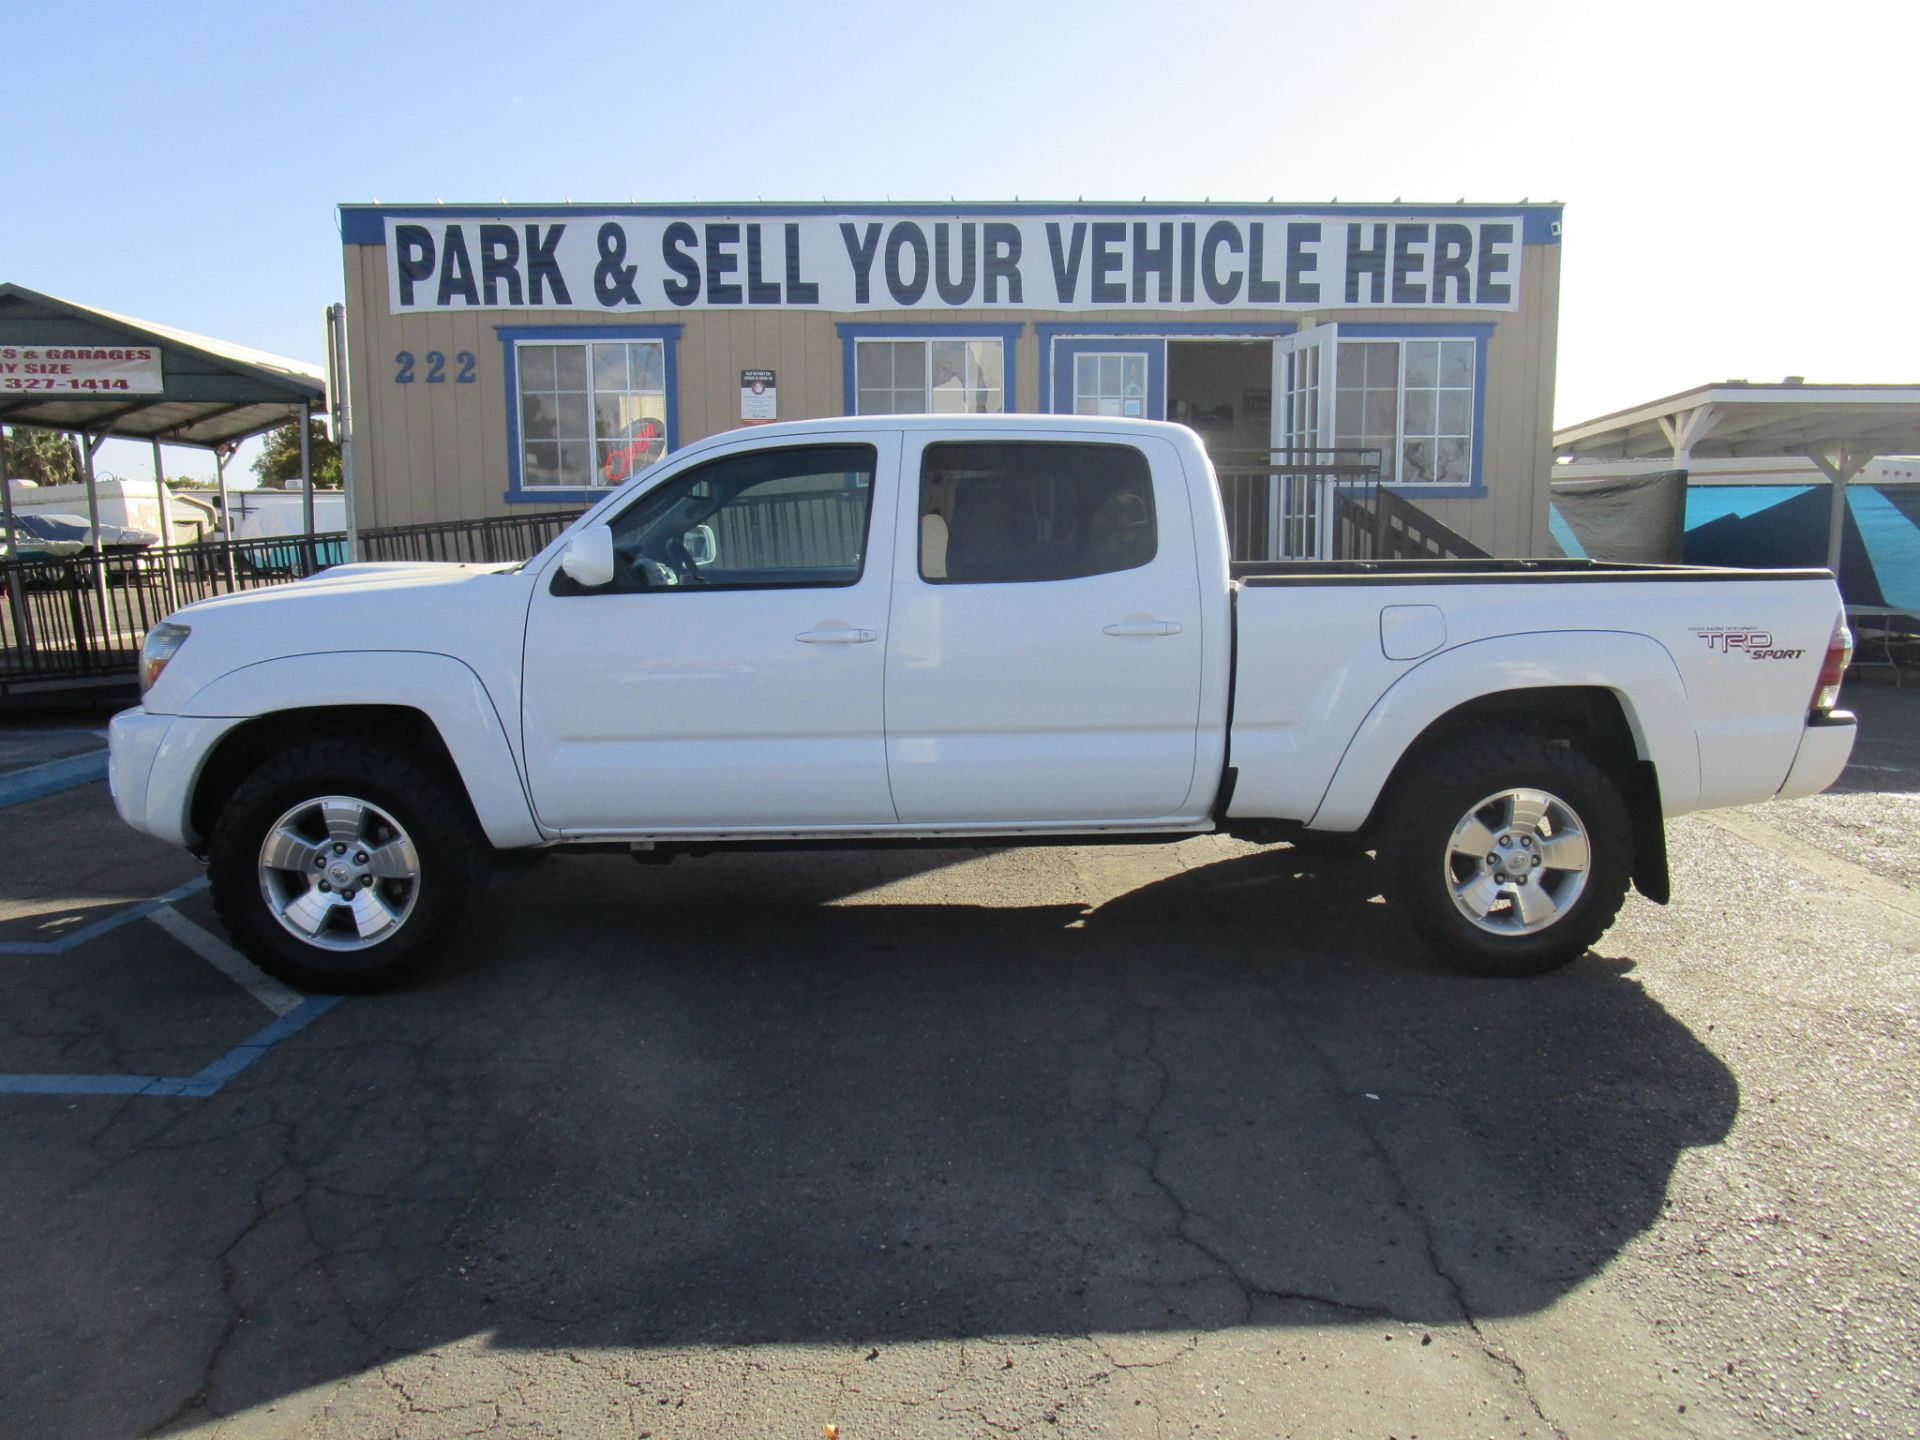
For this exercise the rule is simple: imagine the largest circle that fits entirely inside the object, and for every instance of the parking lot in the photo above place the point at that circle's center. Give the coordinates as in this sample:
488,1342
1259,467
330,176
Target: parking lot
1143,1141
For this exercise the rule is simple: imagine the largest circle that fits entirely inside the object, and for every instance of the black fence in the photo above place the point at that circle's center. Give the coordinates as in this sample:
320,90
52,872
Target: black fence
499,537
1280,505
1326,504
73,625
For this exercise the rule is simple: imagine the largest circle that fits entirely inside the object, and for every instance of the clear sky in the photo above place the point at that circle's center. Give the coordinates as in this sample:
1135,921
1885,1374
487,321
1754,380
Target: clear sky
1739,178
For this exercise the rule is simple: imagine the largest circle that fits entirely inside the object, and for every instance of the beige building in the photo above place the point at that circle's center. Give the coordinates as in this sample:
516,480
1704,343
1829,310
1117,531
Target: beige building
509,356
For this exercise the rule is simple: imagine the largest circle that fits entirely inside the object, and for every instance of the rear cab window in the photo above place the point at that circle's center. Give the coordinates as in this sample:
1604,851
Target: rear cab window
1012,512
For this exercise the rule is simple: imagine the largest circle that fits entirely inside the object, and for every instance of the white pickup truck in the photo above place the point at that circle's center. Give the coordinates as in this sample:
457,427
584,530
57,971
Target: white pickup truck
949,630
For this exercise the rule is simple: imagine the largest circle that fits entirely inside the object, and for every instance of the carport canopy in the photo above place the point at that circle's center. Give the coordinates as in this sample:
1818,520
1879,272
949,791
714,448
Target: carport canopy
208,393
1837,427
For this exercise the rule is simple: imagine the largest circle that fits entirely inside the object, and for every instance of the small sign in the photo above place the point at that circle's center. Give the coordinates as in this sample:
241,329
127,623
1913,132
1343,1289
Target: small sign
81,369
759,401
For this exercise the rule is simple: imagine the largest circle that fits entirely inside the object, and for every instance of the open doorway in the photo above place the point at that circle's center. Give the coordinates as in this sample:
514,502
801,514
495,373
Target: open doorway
1224,390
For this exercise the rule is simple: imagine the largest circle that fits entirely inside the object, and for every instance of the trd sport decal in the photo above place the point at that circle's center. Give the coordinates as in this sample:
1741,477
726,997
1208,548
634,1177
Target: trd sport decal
1754,644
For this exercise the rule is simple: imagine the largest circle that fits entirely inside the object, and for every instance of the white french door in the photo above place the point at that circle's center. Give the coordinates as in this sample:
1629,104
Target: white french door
1299,501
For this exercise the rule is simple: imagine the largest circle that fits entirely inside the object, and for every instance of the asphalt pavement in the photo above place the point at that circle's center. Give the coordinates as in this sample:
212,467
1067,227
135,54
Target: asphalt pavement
1137,1141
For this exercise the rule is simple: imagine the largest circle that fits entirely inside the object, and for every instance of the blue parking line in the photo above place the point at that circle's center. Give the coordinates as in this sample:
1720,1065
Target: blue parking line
49,779
138,911
198,1086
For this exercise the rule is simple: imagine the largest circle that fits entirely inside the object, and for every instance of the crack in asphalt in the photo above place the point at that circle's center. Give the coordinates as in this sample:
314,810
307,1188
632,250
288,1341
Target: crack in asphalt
1408,1199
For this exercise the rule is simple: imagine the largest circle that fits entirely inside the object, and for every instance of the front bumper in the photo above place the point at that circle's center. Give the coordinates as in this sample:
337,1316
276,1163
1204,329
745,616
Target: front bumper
1825,746
153,763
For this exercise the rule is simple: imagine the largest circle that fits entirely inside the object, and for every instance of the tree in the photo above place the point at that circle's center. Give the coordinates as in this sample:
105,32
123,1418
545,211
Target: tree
280,461
43,456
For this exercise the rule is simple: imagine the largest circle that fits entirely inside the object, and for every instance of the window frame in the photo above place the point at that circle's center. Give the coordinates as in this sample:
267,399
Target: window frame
1099,357
511,338
1481,334
852,334
691,474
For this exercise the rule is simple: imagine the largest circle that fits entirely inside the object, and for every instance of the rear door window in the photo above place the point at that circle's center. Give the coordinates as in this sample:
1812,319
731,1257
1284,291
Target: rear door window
1022,511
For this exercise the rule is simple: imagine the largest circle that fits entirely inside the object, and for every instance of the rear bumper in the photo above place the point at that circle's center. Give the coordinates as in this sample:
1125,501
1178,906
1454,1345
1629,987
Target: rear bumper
1824,747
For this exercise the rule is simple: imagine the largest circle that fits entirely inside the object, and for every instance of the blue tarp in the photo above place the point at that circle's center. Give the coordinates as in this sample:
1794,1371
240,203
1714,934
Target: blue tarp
1783,526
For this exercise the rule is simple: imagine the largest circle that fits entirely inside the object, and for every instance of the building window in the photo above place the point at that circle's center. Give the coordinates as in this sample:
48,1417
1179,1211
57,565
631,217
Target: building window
938,377
1110,384
1412,400
592,414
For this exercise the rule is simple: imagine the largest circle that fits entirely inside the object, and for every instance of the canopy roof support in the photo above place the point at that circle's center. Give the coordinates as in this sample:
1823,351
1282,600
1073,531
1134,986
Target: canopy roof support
1839,463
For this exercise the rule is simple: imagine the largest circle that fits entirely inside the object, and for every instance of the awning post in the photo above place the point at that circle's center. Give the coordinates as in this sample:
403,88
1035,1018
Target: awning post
16,602
226,515
166,522
160,494
6,494
88,451
306,477
1840,467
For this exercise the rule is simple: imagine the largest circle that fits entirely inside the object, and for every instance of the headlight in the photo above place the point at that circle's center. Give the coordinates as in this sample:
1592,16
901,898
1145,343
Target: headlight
161,644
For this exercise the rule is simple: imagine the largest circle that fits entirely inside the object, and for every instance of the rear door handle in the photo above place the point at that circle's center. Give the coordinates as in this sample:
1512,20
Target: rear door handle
841,636
1143,627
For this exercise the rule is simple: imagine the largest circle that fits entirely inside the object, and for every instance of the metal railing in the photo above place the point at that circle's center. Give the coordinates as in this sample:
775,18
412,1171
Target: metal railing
80,619
1326,505
1280,504
496,538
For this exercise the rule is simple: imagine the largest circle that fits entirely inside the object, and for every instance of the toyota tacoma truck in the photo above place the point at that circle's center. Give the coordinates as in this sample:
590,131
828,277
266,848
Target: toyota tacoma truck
963,630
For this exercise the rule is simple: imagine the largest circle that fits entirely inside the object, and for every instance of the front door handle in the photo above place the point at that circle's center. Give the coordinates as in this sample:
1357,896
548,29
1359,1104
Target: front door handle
842,636
1143,627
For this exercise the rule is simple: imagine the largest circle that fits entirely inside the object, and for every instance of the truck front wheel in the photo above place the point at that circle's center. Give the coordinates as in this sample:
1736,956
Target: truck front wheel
343,865
1510,853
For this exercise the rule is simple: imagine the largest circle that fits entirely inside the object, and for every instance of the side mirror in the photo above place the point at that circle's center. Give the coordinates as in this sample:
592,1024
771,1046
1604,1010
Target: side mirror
588,560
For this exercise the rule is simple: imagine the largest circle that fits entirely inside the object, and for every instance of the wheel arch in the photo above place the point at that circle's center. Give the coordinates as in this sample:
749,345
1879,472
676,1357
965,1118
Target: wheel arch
1618,697
432,705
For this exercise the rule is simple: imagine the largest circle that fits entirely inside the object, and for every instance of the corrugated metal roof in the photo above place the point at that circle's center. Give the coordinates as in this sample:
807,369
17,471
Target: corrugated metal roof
214,391
1738,419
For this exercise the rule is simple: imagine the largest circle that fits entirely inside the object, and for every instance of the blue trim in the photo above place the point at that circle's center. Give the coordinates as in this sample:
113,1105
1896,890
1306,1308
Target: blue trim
51,778
366,224
1175,330
197,1086
510,335
1454,330
1008,335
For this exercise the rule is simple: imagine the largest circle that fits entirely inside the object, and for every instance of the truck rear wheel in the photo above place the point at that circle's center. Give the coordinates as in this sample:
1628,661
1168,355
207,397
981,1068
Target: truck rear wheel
1511,853
343,865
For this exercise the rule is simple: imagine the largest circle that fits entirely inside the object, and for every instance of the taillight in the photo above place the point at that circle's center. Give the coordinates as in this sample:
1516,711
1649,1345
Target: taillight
1826,692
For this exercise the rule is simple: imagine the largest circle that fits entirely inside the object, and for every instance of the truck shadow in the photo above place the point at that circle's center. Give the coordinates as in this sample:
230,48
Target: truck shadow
679,1111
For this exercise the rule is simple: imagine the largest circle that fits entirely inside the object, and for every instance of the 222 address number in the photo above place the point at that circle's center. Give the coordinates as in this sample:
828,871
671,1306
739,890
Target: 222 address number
436,368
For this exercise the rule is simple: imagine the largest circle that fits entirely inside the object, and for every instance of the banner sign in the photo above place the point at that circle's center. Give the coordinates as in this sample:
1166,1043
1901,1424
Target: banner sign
854,263
81,369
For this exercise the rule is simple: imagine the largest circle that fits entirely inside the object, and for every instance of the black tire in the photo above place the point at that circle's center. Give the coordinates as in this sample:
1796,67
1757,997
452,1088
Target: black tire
450,876
1424,869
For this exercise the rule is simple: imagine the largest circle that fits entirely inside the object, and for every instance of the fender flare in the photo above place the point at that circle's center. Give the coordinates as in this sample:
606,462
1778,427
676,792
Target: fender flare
444,689
1638,670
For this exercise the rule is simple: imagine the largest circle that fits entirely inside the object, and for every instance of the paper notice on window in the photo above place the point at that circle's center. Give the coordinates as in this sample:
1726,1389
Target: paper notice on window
759,401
